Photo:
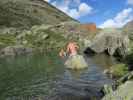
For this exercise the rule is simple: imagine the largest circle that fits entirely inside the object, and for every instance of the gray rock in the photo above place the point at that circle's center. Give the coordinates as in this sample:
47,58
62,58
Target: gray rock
45,36
15,50
9,51
124,92
123,89
11,31
110,40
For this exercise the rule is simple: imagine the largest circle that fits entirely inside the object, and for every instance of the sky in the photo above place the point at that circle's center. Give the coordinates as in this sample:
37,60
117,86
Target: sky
104,13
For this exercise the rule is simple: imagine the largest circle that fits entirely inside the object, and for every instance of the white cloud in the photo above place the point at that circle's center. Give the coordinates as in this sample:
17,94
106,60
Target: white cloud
74,13
82,9
130,2
47,0
119,20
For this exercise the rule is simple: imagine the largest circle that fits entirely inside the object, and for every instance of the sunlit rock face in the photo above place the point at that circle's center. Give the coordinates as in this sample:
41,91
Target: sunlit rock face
90,27
111,41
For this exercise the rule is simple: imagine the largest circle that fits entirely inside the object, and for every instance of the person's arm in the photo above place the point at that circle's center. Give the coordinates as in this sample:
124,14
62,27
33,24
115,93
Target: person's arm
67,51
60,53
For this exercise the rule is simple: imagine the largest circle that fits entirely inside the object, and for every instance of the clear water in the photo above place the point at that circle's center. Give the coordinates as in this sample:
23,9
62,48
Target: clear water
44,77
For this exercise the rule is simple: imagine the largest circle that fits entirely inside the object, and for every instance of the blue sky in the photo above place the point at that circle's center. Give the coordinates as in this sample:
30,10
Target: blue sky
105,13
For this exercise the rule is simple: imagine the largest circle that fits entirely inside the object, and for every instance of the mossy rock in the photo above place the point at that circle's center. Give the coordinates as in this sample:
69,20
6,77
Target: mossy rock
119,70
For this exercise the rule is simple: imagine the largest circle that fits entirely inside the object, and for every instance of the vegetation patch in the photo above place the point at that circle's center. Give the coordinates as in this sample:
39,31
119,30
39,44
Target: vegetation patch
119,70
7,40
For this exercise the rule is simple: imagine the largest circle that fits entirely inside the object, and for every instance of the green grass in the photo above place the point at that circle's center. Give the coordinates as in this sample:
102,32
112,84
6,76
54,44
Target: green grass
119,70
53,41
7,40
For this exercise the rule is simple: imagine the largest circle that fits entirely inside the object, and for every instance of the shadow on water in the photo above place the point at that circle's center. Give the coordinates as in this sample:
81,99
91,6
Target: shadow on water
44,77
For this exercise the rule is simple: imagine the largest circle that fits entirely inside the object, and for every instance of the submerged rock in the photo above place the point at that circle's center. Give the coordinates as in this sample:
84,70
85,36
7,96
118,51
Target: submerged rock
76,62
111,41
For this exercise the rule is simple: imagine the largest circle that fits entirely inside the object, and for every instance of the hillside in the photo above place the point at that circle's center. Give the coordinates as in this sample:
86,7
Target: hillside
128,28
38,25
129,25
26,13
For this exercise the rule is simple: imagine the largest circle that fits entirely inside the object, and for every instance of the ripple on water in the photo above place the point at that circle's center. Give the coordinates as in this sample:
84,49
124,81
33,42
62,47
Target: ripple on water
43,77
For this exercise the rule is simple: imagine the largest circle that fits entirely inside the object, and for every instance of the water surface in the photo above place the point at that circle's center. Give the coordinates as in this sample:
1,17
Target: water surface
44,77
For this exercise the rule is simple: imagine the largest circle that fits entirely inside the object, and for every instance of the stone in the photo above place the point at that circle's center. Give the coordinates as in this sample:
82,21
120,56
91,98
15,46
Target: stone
124,92
9,51
121,90
111,41
76,62
15,50
45,36
10,31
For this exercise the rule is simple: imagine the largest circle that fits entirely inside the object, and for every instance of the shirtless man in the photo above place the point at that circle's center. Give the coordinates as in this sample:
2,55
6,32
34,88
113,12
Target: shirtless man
72,48
74,61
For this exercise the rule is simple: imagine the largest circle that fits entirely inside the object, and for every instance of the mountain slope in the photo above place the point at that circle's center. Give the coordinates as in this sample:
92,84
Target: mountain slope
26,13
128,28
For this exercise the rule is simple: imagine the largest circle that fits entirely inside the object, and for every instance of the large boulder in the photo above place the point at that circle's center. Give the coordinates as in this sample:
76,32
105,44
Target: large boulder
111,41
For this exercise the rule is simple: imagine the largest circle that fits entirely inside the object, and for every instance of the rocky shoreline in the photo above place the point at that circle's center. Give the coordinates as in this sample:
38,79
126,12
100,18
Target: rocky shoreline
15,50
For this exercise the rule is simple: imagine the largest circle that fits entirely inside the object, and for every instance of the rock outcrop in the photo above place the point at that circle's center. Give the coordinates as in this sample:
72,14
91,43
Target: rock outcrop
111,41
15,50
124,90
90,27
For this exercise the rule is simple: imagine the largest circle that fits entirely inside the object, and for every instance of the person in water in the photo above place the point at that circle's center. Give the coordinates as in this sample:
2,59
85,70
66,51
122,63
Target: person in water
72,48
74,61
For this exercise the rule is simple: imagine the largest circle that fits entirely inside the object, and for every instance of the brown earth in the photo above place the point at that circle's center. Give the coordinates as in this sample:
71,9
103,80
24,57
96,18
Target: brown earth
90,27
